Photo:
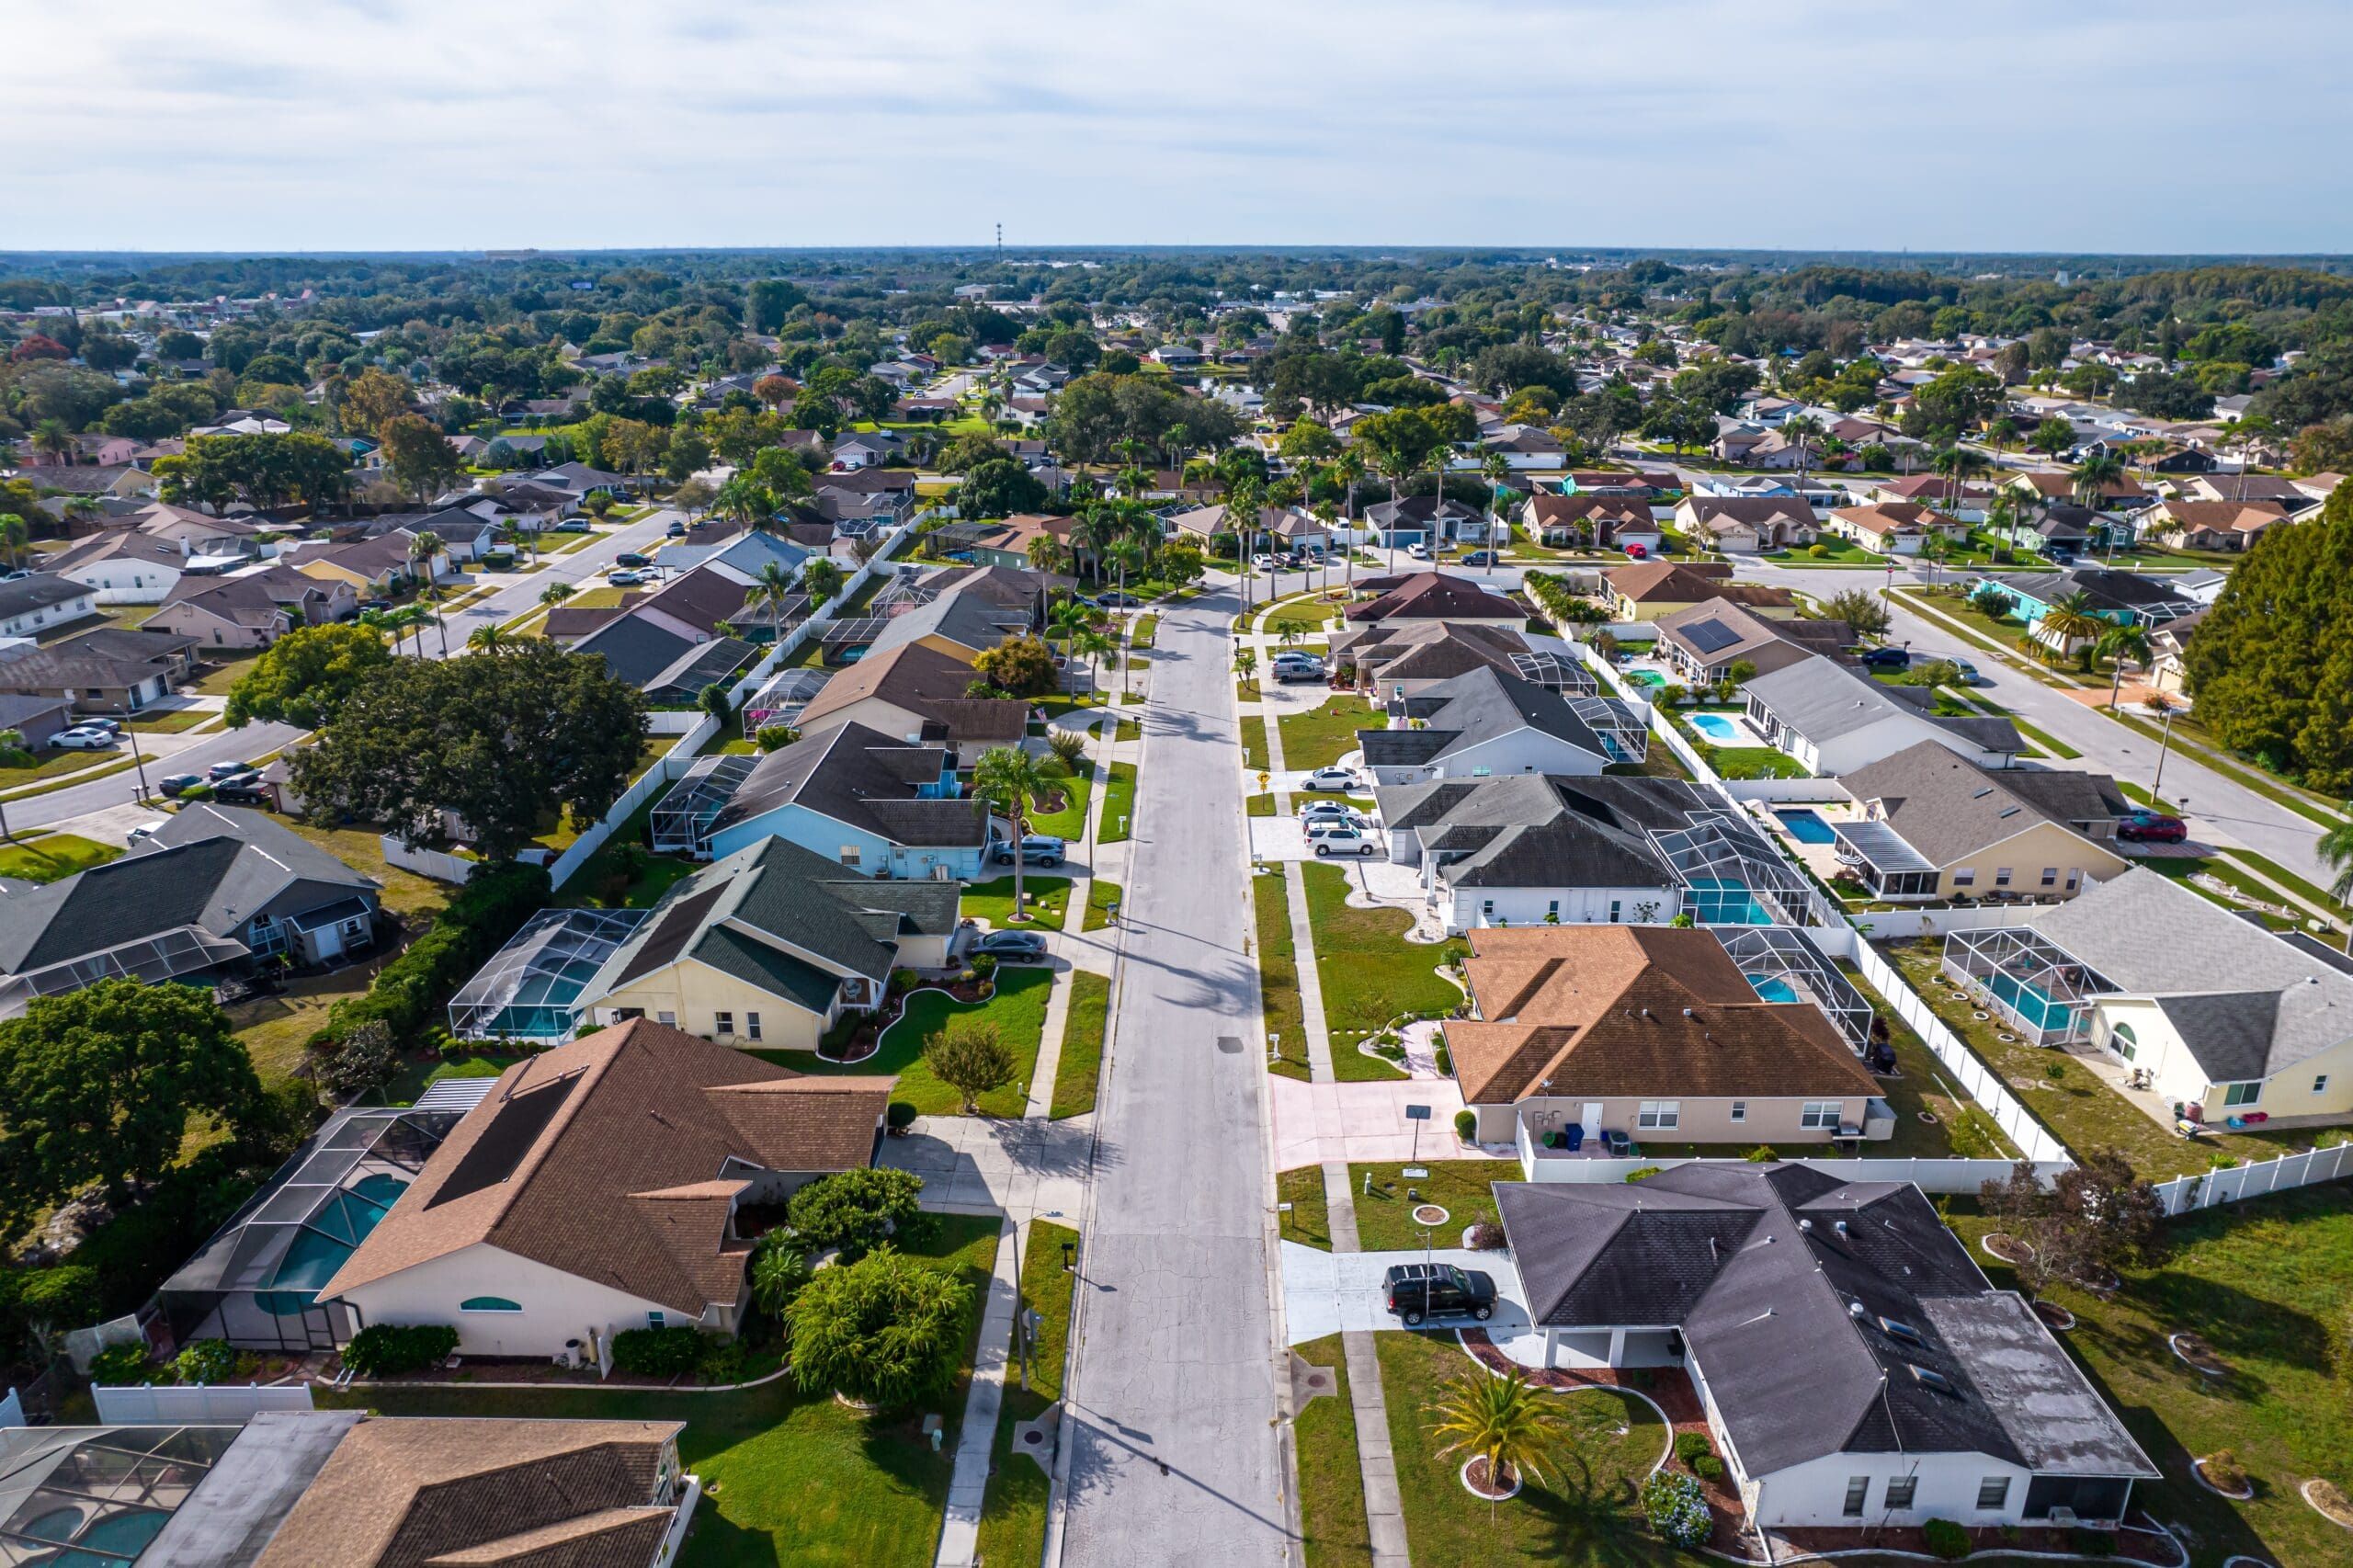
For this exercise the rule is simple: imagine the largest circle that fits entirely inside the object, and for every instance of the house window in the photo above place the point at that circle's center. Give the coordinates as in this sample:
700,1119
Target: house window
2242,1093
1740,1111
1965,877
2126,1043
2002,876
1486,909
1613,912
1994,1492
489,1304
2320,1083
670,1020
653,1319
849,855
1819,1114
1900,1489
751,1025
1553,908
2051,876
723,1023
2075,878
1859,1492
1660,1115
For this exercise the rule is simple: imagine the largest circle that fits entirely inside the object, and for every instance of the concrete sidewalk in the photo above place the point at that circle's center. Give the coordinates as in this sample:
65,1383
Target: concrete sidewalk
968,1484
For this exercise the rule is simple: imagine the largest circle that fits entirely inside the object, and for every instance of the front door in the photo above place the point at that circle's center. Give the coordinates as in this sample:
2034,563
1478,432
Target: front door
1592,1119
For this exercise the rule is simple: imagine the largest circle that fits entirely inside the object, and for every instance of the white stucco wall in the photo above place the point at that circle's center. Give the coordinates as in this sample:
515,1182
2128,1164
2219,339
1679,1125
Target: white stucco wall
556,1306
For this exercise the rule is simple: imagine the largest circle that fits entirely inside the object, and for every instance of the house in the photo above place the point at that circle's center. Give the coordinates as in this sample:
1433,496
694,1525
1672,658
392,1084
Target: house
1530,850
970,609
1424,519
862,799
1481,724
595,1189
42,602
1891,527
577,480
1527,447
1702,643
121,481
1432,596
37,719
2292,495
1627,485
198,534
370,566
870,448
1857,1369
1003,541
2046,485
212,889
1835,720
1933,825
917,692
253,609
1400,658
1746,525
1648,590
2061,531
1563,522
670,666
2229,1022
2211,525
2169,648
104,671
1966,502
2128,599
1176,356
1650,1031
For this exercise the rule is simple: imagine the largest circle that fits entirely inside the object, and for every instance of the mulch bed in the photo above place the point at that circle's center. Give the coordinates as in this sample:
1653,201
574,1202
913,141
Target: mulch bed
2005,1246
2141,1544
2057,1316
538,1370
2196,1353
2332,1507
1474,1477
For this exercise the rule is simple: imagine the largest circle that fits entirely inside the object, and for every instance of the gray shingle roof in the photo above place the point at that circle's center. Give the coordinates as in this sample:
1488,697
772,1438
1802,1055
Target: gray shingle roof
864,778
1822,699
1474,708
40,591
1947,808
1535,830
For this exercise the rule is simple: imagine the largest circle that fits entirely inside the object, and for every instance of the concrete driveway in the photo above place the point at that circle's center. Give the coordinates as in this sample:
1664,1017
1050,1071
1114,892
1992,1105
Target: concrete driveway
1339,1292
1285,838
1365,1122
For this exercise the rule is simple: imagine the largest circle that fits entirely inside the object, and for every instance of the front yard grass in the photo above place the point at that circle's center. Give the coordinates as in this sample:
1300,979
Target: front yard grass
1103,896
1119,804
51,856
1311,614
1584,1515
1080,1066
1286,1023
1308,1221
1046,897
1019,1011
2263,1281
789,1475
1371,975
171,722
1067,820
1321,736
224,666
361,848
1331,1474
1013,1511
57,762
2076,1104
1385,1215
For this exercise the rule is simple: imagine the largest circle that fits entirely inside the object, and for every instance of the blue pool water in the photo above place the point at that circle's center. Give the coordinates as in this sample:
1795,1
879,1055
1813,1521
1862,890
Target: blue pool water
2035,1007
1770,988
119,1536
1716,727
1807,827
1721,901
1645,677
332,1235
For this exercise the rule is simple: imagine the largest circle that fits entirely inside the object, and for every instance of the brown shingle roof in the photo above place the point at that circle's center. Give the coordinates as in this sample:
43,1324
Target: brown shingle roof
1605,1010
1432,596
553,1163
926,681
1666,581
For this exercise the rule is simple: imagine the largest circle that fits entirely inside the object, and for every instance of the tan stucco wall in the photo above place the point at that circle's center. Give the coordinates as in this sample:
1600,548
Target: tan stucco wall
695,993
2028,855
1772,1120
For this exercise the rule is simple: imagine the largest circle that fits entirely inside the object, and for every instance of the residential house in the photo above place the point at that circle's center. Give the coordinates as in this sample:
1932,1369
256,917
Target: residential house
2127,598
1857,1370
104,671
211,890
1400,658
670,663
1746,525
595,1190
370,566
1702,643
1432,596
577,480
253,609
565,625
1835,720
1424,519
2230,1022
42,602
917,692
970,609
1651,1032
1481,723
229,540
2231,526
1625,484
1527,447
2121,495
1933,825
1648,590
2292,495
124,566
863,798
1563,522
37,719
2169,649
1003,541
869,448
1891,527
121,481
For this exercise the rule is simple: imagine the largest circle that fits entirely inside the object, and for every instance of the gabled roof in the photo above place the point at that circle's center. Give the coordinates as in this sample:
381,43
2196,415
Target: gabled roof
1540,830
598,1158
865,778
1668,582
40,591
1947,808
1474,707
1429,650
1824,700
1433,595
928,683
1718,631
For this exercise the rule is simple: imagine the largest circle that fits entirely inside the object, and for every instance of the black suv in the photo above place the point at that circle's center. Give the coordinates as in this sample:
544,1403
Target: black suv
1416,1290
1886,659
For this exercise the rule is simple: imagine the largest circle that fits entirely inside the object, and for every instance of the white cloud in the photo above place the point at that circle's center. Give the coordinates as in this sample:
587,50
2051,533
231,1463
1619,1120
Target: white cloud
415,124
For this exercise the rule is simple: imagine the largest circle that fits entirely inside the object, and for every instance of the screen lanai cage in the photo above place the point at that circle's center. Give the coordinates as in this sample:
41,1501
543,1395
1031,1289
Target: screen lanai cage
2032,980
86,1497
1732,876
1783,965
527,989
682,819
782,700
1624,728
255,1282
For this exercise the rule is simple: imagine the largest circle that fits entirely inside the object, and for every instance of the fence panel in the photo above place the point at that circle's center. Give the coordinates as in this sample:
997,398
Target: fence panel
171,1406
2184,1195
438,864
652,781
1815,790
1979,1081
1948,1175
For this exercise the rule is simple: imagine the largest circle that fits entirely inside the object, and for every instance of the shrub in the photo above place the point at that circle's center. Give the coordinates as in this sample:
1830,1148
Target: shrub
721,1360
2085,1543
389,1350
2224,1472
409,993
1466,1125
1486,1236
363,1059
1644,1174
206,1361
125,1365
901,1116
969,1056
984,965
1707,1467
1068,745
888,1328
1690,1445
657,1352
55,1300
1675,1508
1946,1539
775,737
853,1209
1819,551
1761,1155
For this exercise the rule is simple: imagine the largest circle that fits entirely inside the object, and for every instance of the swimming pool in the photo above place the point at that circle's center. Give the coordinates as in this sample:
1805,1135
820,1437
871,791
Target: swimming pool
1770,988
1719,901
2033,1006
1645,677
331,1236
1717,726
1807,827
119,1536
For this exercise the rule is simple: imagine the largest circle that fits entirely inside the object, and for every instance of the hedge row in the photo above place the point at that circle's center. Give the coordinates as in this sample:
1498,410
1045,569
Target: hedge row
411,991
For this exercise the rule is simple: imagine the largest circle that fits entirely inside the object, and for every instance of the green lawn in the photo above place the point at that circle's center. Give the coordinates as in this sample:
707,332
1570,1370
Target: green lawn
1324,735
1308,1221
1835,551
361,848
1019,1010
1278,973
2264,1282
1142,629
623,873
1311,614
1013,1513
51,856
173,721
789,1476
1584,1515
1370,974
1068,820
1254,743
1962,1128
1384,1216
224,667
1103,895
1118,803
58,763
992,903
1331,1480
1080,1066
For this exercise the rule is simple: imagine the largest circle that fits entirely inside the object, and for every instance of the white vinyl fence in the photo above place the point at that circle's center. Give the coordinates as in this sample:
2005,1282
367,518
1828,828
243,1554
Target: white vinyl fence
1950,1176
148,1405
2186,1195
438,864
1941,919
1815,789
656,779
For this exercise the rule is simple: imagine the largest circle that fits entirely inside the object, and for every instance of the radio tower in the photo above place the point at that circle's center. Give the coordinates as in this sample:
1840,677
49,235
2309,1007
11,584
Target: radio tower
1000,241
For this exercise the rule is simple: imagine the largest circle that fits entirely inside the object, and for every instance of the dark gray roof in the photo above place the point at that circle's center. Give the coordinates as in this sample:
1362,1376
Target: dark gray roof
971,614
865,779
1475,706
40,591
1947,808
1543,830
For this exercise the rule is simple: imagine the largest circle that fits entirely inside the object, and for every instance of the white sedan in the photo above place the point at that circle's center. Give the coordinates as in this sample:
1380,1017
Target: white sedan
87,738
1335,778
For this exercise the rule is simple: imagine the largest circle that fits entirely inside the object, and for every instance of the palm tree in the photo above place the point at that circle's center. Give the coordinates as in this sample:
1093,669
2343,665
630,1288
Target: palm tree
1012,780
1093,642
53,440
1497,469
422,552
1045,552
1959,465
779,1270
770,590
491,640
1088,534
2002,513
1507,1421
555,594
2071,619
821,579
2119,644
2093,476
2335,850
430,596
1803,431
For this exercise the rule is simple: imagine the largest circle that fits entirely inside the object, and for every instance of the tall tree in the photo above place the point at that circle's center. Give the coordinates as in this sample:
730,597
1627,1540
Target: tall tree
422,460
306,677
1014,780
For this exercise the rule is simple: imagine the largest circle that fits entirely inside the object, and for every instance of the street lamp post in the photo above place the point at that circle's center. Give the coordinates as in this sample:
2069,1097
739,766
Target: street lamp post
2165,743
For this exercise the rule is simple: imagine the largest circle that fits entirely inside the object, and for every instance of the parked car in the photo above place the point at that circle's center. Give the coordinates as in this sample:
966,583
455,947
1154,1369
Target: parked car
1013,947
100,721
2152,827
1886,659
1297,671
1329,779
1117,600
622,578
632,558
1262,562
86,737
1339,838
378,605
243,791
1298,656
1969,676
1418,551
180,783
675,530
1418,1291
1329,810
221,770
1637,552
1038,849
1483,558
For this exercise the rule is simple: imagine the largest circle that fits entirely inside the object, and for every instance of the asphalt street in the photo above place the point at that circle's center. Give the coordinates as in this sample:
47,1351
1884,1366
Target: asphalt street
519,592
120,789
1174,1410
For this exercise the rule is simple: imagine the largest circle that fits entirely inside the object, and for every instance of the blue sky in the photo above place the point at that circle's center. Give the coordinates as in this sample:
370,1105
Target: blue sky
413,124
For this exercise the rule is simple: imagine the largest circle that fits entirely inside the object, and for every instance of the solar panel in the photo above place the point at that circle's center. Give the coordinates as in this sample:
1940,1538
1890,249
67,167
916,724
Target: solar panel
513,1129
1710,636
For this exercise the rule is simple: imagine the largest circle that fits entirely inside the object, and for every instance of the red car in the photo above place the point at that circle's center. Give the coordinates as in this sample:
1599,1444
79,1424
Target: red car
2152,827
1638,551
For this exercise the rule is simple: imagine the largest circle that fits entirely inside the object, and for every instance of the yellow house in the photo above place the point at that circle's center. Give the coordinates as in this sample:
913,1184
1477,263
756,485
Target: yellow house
769,947
1935,825
1651,589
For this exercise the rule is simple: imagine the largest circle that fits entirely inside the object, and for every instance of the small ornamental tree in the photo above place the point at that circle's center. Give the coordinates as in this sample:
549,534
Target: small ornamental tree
1023,667
971,1056
853,1209
887,1329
